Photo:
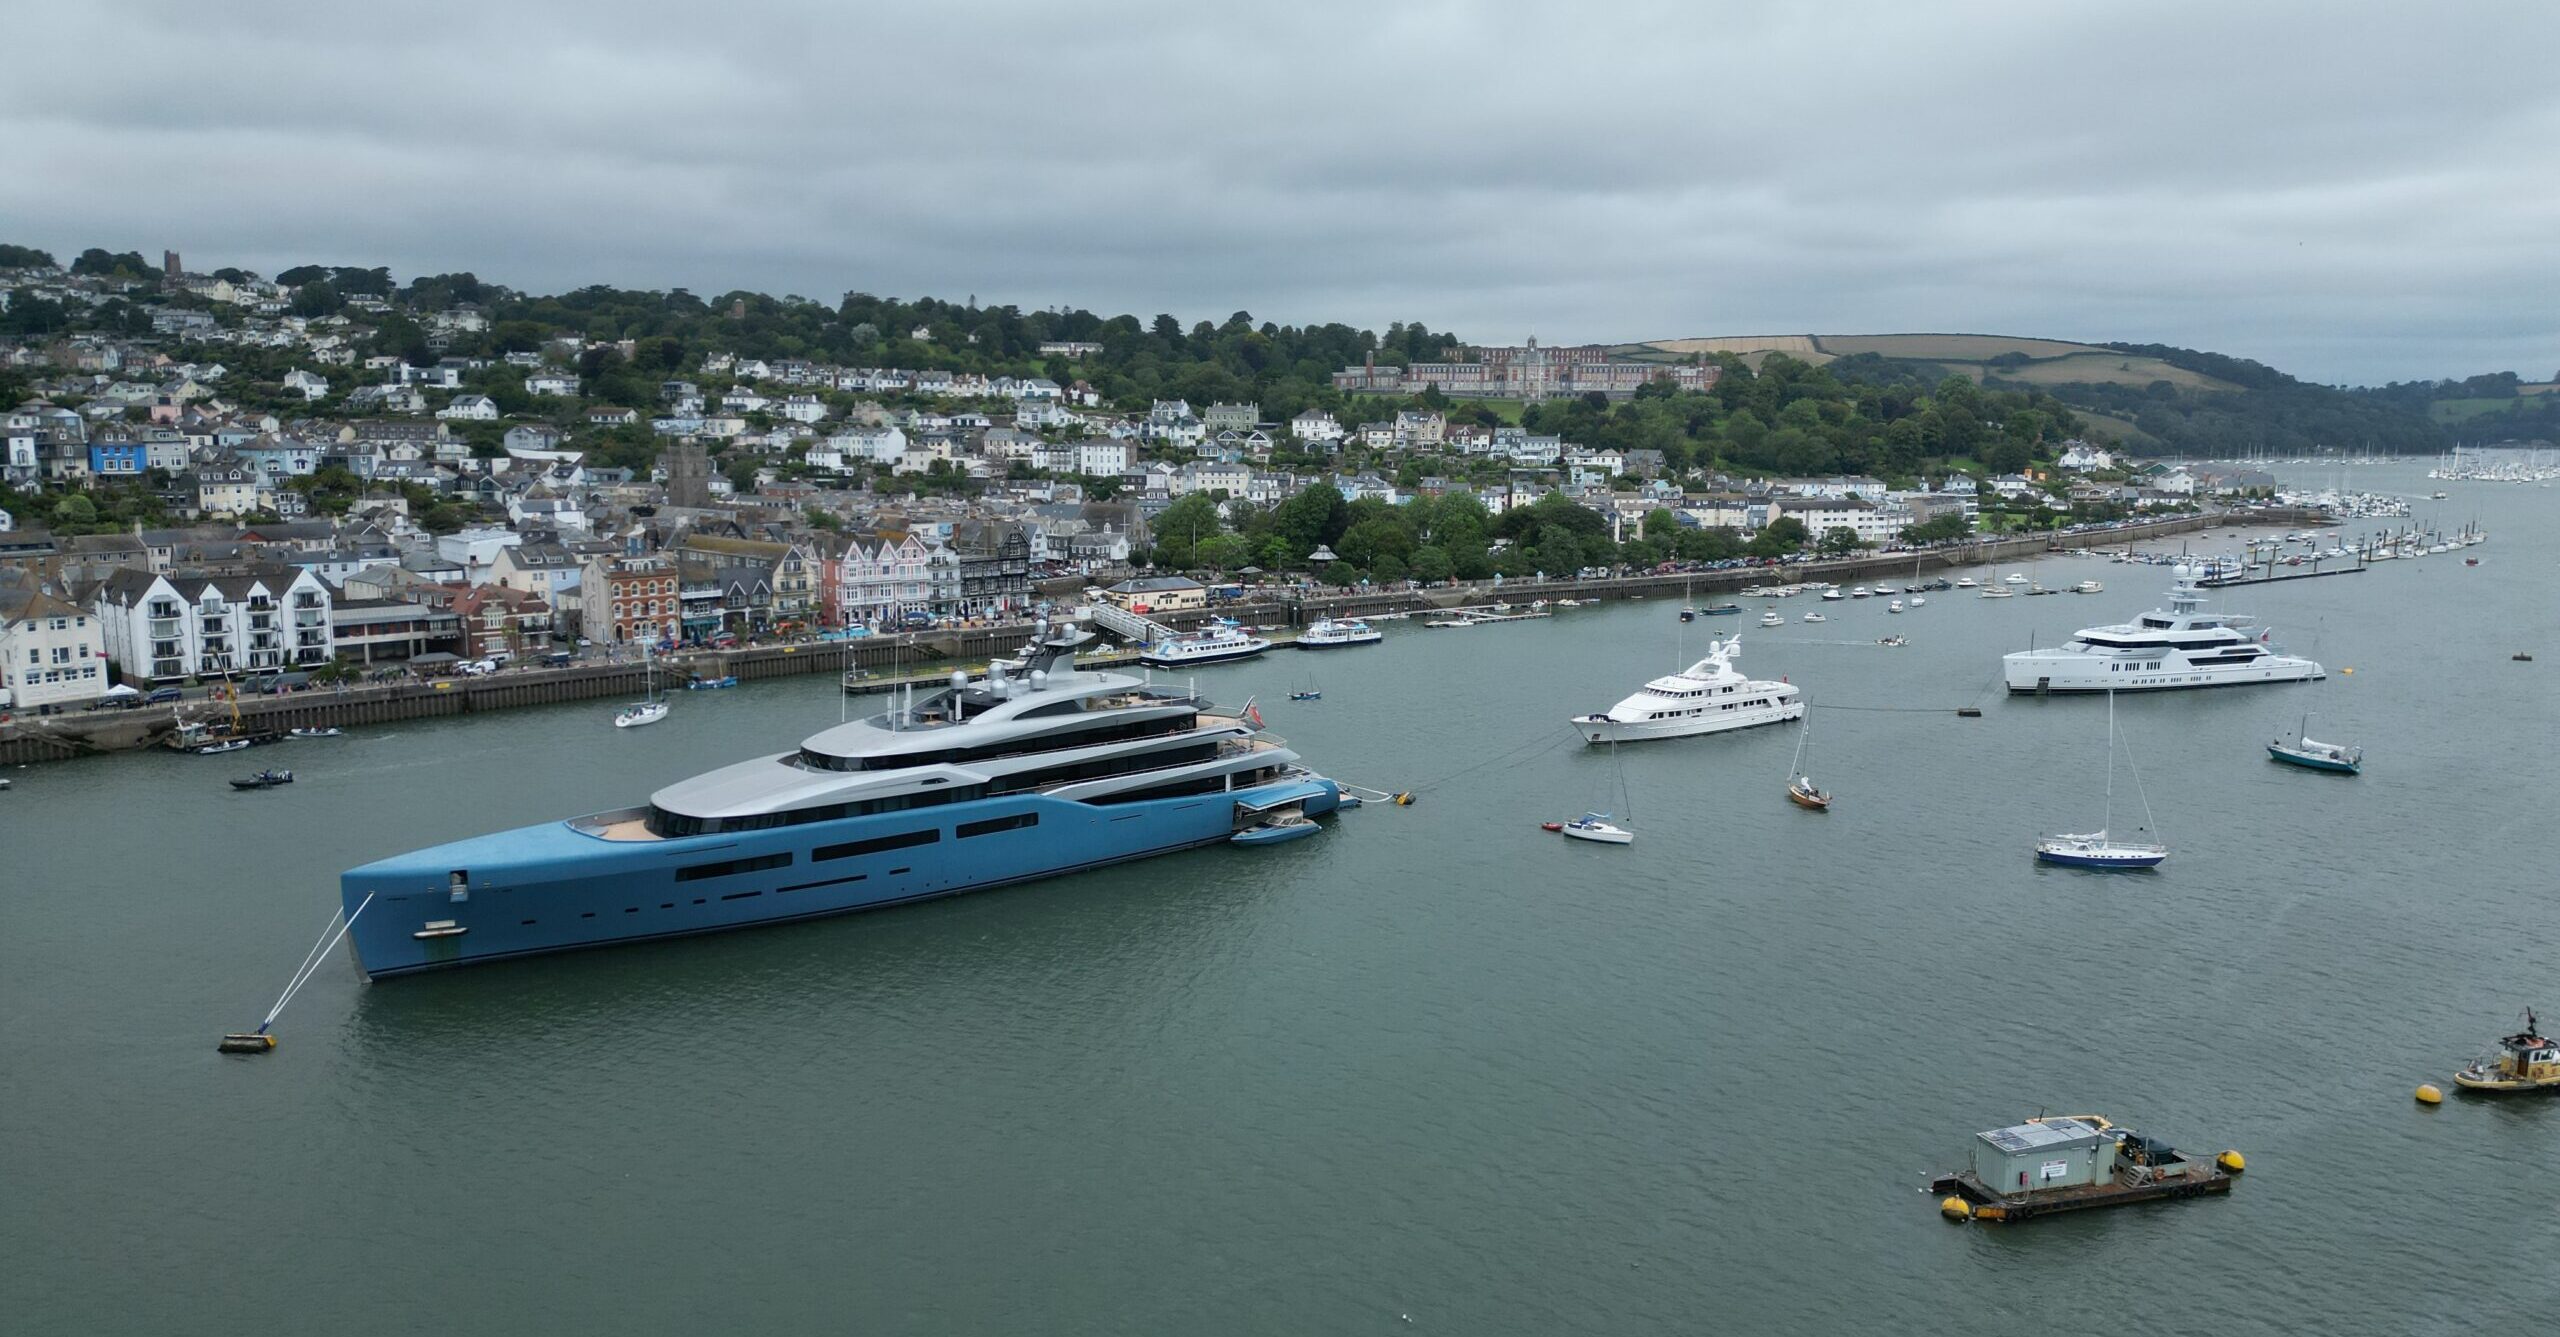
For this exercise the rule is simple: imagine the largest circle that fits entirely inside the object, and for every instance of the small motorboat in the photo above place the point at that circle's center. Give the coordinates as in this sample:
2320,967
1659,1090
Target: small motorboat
2471,561
1967,583
1858,592
1543,826
1598,827
1306,696
1772,619
1894,607
1815,617
1801,792
1919,600
1891,641
264,780
317,733
1277,828
1720,610
711,684
219,746
1688,614
2525,1061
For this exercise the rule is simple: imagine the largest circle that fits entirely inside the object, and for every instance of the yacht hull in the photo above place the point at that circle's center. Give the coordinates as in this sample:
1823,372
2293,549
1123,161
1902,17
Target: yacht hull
1603,729
552,888
1153,660
2034,673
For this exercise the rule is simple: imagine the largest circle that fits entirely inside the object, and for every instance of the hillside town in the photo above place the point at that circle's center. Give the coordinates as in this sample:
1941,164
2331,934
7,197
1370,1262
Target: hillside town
210,477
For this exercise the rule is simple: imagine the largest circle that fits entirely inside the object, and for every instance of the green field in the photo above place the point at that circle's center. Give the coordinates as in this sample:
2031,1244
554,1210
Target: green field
2464,410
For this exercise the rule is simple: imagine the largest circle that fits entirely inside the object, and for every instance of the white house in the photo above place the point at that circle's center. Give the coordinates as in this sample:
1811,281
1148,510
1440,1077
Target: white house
162,628
559,383
470,408
2084,456
310,385
1105,459
1873,524
51,652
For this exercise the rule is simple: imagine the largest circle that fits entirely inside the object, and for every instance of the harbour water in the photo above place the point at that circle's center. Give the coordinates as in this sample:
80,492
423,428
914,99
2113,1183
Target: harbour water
1435,1065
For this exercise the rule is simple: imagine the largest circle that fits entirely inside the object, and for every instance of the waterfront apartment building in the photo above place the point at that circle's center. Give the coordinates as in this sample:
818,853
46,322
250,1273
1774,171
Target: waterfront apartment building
182,624
51,652
1527,372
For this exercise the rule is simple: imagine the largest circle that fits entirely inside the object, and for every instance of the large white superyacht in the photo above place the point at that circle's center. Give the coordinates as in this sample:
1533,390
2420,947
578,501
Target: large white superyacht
1709,696
2165,649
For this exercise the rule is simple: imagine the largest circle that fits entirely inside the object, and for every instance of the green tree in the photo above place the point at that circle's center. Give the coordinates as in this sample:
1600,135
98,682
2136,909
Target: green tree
1840,541
1783,535
1184,524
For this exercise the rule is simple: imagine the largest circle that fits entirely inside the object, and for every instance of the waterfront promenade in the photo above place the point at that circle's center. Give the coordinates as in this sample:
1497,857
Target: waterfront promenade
27,740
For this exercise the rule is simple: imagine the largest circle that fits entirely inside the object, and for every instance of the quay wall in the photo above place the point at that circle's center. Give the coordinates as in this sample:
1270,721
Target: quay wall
60,737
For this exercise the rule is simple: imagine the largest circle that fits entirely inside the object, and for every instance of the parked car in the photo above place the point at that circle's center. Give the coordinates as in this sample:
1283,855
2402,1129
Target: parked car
162,696
278,684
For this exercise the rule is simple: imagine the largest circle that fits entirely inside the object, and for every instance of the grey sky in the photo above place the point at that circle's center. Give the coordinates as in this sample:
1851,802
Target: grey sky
2348,191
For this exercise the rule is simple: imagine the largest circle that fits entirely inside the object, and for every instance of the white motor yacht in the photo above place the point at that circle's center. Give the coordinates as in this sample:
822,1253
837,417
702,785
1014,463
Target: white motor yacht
1332,633
1710,696
2167,648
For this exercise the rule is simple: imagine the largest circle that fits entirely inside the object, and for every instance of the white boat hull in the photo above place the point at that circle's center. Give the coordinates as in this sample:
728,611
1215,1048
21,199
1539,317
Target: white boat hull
1602,834
1603,729
2030,671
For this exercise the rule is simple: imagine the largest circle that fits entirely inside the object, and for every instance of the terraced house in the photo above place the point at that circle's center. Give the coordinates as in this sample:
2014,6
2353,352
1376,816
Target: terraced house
761,585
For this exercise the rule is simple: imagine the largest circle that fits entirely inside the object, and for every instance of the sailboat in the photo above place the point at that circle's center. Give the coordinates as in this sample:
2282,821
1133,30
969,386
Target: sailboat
1998,586
2312,755
2096,849
650,708
1307,690
1800,788
1601,827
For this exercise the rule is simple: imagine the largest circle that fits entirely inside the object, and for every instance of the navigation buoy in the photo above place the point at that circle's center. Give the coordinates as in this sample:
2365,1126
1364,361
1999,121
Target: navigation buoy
2348,671
2430,1094
2232,1161
1405,799
1955,1208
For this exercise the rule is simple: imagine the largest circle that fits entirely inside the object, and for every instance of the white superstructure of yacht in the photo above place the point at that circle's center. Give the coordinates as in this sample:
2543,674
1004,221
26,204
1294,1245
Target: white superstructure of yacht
1709,696
2165,649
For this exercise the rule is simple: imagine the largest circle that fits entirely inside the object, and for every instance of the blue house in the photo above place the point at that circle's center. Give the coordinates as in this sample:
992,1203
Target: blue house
118,459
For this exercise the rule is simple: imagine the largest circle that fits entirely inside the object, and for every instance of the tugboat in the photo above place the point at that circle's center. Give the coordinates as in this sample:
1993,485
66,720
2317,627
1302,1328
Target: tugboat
2525,1061
264,780
2068,1163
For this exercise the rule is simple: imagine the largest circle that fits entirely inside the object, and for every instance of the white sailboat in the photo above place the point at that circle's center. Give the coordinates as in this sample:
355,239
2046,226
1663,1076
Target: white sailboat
1800,786
2096,849
1601,827
651,707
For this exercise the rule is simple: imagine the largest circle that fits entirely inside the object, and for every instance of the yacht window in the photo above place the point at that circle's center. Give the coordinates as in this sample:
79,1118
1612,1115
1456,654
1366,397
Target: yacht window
878,845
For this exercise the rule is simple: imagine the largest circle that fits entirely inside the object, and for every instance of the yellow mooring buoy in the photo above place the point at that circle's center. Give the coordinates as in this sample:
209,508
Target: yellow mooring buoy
2232,1162
2430,1094
254,1042
1955,1208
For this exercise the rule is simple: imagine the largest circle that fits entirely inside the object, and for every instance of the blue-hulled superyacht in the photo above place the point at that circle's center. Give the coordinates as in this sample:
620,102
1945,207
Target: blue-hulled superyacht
1035,768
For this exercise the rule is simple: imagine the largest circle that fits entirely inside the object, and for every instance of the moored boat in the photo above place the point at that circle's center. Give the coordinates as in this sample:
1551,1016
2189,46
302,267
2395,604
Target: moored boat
2069,1163
1599,828
2527,1061
264,780
1709,696
1034,769
2313,755
1334,633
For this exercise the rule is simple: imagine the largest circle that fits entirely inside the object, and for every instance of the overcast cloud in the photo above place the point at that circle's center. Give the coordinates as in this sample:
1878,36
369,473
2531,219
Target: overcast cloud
2352,192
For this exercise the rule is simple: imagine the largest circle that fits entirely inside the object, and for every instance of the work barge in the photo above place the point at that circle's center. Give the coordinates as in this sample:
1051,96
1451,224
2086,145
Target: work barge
2069,1164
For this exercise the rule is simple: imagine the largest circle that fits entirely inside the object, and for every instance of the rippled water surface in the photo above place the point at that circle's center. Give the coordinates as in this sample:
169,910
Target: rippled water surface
1434,1065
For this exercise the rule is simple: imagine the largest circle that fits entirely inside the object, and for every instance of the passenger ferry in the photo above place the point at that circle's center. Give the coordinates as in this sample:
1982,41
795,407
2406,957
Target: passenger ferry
1216,643
2167,648
1333,633
1709,696
1034,769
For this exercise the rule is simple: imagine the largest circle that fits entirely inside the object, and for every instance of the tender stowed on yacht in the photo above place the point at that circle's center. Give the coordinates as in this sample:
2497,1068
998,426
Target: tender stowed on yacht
2174,647
1035,769
1709,696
